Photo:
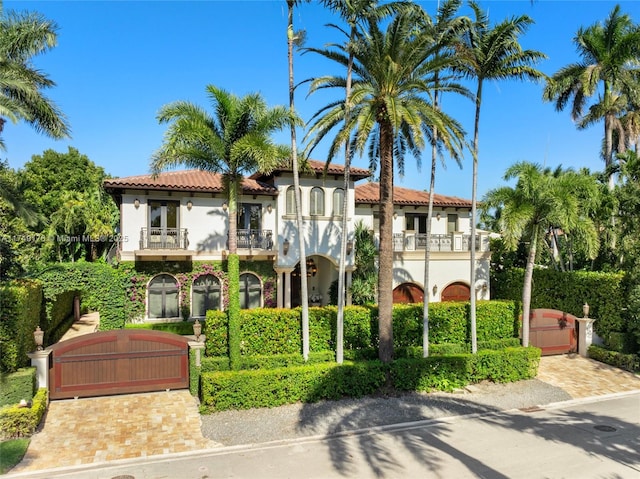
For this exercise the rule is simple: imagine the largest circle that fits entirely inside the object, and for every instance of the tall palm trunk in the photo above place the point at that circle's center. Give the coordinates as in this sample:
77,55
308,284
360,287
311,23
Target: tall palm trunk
385,256
296,184
474,194
526,289
427,248
345,211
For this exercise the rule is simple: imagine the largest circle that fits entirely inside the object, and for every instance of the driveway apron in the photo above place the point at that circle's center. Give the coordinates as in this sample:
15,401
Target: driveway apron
94,430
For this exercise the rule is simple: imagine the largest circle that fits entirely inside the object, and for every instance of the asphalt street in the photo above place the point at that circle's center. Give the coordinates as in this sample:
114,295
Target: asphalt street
588,438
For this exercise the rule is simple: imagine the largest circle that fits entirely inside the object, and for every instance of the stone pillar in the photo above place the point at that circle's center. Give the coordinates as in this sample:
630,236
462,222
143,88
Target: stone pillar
279,288
585,335
40,361
198,347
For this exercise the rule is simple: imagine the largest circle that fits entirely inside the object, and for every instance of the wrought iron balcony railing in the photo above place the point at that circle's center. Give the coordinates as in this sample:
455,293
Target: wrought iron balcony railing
255,239
164,238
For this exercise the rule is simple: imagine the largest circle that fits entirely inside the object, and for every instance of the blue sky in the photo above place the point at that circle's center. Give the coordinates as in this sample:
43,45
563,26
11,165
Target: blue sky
118,62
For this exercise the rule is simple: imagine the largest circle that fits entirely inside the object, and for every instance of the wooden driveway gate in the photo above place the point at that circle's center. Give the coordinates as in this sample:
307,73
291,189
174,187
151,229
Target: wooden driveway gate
553,331
117,362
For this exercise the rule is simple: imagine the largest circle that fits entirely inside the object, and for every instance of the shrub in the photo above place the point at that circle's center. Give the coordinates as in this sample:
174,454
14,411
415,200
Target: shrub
58,315
443,373
629,362
183,328
18,421
20,308
507,365
275,387
216,330
17,386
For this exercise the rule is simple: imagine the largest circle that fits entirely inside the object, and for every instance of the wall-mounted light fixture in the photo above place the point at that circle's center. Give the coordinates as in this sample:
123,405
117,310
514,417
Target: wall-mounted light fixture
225,206
438,216
38,337
285,247
395,215
485,286
136,203
269,208
349,247
434,289
189,205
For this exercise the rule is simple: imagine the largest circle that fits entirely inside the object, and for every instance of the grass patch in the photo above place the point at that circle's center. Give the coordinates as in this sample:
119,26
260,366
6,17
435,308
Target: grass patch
11,453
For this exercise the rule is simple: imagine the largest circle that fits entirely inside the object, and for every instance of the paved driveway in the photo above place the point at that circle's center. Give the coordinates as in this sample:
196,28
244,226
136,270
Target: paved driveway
93,430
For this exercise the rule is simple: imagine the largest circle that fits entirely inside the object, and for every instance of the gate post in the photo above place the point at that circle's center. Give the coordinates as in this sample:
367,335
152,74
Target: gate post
40,360
585,333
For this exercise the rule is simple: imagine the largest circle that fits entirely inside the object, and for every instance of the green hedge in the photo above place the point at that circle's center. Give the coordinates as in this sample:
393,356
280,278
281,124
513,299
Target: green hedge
101,287
273,387
20,310
17,386
629,362
278,331
568,291
267,362
18,421
183,328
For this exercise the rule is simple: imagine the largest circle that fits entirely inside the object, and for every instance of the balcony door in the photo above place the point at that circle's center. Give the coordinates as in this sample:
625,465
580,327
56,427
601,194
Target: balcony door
164,222
249,225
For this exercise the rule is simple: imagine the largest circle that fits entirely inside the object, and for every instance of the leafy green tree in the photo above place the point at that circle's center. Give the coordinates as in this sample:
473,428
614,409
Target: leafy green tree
24,36
234,142
609,53
491,53
388,114
540,200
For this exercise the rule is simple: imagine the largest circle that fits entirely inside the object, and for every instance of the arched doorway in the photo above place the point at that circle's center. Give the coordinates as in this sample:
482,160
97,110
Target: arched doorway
312,271
408,293
456,292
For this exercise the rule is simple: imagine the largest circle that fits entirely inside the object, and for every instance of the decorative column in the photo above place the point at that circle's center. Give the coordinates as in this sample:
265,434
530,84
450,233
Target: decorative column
585,333
287,289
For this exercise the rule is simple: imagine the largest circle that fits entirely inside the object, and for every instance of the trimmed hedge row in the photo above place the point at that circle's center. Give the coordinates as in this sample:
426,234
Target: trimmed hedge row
17,386
20,309
18,421
278,331
223,390
184,328
568,291
221,363
629,362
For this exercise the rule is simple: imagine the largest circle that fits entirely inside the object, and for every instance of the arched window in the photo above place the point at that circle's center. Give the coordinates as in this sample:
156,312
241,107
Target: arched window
205,295
291,201
316,202
163,297
338,198
250,291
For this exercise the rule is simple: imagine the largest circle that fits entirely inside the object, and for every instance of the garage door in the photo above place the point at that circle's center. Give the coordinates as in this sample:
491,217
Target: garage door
117,362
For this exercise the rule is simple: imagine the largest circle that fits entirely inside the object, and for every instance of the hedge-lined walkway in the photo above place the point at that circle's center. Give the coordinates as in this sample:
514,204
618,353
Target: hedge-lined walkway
88,323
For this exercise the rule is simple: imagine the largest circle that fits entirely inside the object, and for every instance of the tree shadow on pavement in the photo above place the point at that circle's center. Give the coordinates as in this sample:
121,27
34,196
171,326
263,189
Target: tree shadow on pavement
351,420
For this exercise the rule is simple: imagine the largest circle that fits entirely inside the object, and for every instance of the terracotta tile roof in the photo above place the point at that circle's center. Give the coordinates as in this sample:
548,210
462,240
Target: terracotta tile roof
369,193
317,167
186,180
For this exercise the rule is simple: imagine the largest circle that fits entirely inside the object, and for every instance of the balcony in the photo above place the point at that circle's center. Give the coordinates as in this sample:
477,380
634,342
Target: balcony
164,239
410,241
255,239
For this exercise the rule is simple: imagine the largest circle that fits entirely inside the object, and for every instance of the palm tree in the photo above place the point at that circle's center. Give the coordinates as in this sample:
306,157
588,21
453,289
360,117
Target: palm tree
354,13
234,142
446,34
388,113
22,37
296,39
491,53
610,53
540,200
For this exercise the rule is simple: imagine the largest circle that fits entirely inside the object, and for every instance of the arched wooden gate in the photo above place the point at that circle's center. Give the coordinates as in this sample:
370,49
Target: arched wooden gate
456,292
117,362
408,293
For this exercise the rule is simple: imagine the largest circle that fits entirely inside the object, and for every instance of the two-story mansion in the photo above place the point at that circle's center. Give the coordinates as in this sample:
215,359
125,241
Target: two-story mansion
182,216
